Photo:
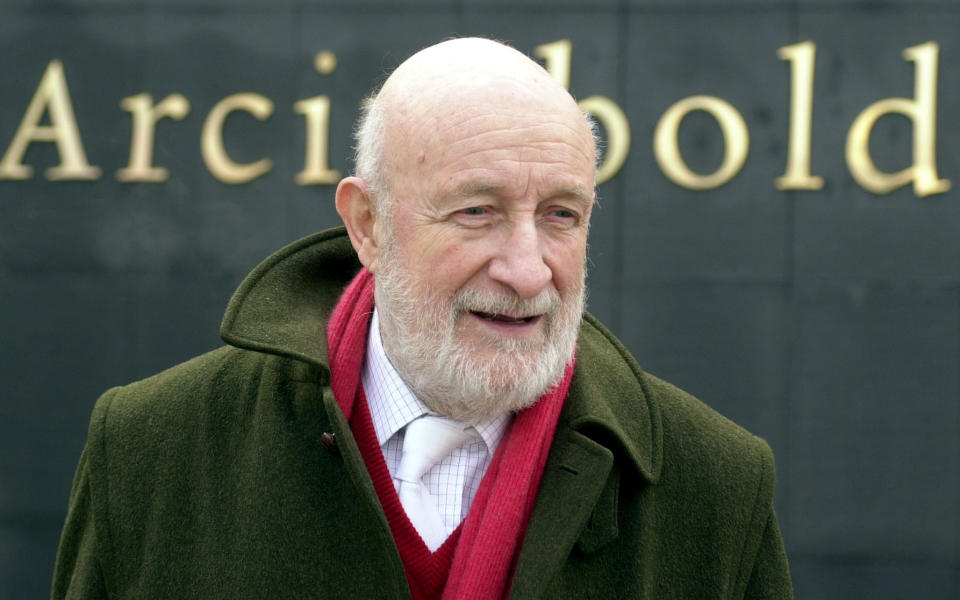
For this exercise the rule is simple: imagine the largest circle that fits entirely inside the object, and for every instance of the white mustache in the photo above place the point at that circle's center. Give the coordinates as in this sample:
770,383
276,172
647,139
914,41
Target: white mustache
507,303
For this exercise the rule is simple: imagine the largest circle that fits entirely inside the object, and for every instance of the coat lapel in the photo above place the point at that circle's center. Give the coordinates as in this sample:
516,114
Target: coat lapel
607,425
573,479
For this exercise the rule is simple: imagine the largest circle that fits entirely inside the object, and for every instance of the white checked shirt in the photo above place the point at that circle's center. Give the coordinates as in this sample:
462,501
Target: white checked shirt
454,481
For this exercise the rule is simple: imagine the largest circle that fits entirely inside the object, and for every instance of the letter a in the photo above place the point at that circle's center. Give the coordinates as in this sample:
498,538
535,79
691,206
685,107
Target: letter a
53,97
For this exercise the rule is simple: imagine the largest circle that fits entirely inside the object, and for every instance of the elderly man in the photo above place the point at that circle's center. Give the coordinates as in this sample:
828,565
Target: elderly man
417,405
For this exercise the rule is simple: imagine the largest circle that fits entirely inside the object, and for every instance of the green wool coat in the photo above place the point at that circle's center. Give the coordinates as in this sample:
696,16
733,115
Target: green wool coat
215,479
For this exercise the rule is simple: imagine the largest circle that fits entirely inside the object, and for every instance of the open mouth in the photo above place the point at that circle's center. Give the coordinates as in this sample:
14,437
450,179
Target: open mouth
498,318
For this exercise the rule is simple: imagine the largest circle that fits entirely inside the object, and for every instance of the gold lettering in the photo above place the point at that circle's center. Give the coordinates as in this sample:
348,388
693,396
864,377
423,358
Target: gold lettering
556,56
325,62
797,175
666,147
316,110
211,138
145,116
316,170
922,110
615,123
53,97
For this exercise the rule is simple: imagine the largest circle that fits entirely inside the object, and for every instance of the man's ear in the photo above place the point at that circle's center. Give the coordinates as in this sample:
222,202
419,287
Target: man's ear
356,209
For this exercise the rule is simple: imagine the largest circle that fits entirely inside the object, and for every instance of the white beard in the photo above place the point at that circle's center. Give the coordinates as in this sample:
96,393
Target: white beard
419,331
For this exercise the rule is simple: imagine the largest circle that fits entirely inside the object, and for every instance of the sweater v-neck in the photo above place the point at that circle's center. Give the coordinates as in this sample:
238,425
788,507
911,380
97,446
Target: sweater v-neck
427,572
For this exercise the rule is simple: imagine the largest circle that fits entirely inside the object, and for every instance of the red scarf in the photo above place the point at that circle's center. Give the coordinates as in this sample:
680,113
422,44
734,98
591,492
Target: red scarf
491,535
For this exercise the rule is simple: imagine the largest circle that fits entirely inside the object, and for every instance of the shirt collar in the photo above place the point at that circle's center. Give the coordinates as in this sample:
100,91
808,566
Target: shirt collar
393,404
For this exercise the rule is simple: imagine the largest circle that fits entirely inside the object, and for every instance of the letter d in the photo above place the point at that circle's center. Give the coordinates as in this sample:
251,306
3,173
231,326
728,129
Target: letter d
922,110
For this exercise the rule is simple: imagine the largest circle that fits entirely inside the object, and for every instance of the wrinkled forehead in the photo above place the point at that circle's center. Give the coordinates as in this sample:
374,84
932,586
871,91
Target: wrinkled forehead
459,113
454,110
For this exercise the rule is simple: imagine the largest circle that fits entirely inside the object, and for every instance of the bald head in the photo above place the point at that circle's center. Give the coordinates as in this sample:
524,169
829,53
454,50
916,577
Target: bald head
465,71
445,87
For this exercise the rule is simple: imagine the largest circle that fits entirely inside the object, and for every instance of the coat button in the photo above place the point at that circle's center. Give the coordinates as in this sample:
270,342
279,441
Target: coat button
329,442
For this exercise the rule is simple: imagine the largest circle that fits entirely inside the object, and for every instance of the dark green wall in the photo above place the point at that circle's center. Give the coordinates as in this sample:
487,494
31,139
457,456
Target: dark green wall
825,321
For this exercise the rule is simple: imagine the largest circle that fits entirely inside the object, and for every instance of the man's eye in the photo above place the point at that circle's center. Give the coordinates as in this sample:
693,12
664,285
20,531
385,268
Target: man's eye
562,214
474,211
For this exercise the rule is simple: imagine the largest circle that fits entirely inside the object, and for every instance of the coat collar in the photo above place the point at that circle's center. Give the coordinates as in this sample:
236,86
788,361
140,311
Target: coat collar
283,305
609,403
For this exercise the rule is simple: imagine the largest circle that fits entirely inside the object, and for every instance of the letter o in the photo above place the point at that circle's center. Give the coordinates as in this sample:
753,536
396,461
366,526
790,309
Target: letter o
735,136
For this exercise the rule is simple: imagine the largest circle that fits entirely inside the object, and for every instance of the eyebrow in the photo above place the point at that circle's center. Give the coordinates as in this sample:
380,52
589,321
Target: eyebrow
473,188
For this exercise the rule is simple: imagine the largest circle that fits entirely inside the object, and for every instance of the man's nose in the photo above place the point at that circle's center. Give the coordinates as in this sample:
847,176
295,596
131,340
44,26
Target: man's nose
519,262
